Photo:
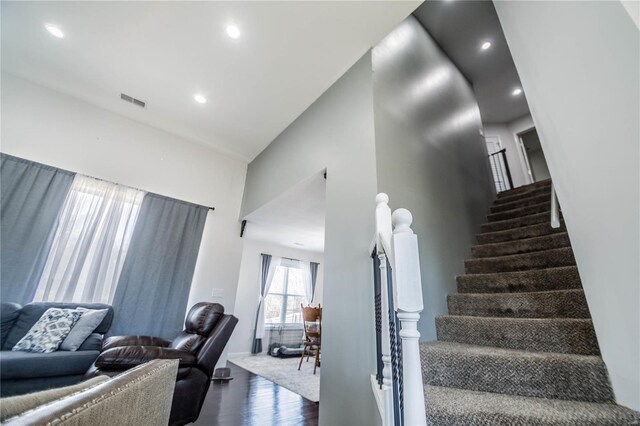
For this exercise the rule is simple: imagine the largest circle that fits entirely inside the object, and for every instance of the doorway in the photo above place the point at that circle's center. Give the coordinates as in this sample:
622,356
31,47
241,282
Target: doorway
281,275
533,155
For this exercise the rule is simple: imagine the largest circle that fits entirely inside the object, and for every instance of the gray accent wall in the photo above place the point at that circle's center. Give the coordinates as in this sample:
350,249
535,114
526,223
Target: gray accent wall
336,133
431,157
579,66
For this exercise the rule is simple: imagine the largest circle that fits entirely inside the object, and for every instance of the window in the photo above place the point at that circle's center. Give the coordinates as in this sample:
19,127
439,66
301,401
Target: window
90,242
286,295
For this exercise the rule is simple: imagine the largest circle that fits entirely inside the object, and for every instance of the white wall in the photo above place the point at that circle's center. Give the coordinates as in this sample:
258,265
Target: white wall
431,157
508,135
538,165
335,133
249,287
49,127
579,66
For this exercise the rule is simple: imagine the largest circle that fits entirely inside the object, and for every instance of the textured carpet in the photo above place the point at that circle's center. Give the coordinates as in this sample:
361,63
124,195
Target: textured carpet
542,304
284,372
518,346
530,231
455,407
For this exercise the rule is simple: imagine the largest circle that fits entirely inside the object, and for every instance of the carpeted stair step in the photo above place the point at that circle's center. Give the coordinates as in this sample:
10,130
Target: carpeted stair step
545,304
531,192
525,188
520,211
502,225
531,231
529,201
561,278
521,262
561,335
525,245
508,371
461,407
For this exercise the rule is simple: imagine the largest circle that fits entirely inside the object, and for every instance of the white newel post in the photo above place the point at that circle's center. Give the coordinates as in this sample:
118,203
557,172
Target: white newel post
408,303
383,243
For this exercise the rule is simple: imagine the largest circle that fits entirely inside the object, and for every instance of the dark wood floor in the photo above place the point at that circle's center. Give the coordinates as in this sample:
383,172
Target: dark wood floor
253,400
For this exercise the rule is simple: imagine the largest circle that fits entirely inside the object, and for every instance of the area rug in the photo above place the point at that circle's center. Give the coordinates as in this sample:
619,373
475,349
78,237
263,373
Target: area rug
284,372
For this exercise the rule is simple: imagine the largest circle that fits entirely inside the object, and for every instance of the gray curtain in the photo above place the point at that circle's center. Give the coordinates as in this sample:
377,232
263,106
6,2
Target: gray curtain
31,197
153,289
313,267
256,348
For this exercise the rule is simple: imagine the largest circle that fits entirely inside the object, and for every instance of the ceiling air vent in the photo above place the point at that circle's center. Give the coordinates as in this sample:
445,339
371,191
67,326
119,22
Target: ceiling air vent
132,100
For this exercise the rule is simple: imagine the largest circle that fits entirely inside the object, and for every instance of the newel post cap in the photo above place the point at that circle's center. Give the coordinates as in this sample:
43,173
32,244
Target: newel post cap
382,198
402,220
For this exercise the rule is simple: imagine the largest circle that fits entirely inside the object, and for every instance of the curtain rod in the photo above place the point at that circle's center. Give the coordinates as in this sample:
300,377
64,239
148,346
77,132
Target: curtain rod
144,190
103,180
288,258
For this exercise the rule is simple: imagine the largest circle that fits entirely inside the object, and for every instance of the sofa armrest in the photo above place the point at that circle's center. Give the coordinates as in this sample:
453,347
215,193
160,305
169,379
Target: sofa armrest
118,341
92,343
123,358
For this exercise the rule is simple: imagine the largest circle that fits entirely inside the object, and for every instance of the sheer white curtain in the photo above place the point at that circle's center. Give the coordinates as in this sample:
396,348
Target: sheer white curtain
306,280
90,242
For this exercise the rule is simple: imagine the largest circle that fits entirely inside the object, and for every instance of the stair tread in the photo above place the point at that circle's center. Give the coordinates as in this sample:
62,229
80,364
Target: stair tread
507,353
520,212
525,188
562,335
522,232
517,222
523,245
562,277
570,303
461,407
535,198
518,372
532,192
540,259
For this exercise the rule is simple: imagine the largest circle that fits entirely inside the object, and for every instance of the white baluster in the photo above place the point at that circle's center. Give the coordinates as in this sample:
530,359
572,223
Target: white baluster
408,303
555,209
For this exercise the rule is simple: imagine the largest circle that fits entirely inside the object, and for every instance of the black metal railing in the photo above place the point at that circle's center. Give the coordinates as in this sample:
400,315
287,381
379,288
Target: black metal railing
500,170
377,300
396,352
394,337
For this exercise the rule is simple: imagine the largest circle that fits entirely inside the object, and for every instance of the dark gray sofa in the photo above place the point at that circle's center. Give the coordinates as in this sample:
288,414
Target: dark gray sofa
23,372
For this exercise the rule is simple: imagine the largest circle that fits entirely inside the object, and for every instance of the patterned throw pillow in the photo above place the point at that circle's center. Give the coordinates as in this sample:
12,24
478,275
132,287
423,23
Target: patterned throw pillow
49,331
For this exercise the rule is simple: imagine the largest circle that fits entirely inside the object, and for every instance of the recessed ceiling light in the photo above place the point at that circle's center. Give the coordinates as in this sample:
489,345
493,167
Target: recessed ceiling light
233,31
54,31
516,91
485,45
200,98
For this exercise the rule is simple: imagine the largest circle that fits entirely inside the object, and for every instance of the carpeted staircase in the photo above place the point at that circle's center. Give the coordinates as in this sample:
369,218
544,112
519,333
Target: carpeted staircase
518,346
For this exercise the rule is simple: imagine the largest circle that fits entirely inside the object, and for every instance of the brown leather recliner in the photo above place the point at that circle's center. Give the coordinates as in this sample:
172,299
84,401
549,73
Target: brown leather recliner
198,347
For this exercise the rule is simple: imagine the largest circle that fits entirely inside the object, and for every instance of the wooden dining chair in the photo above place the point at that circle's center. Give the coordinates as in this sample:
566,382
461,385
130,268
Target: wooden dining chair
312,323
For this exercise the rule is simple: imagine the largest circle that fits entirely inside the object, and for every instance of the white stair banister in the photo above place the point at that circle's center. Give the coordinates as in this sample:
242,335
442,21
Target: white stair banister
383,246
383,226
407,285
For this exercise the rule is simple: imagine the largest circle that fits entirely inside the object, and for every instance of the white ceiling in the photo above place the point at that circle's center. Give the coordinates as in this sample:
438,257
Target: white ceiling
165,52
460,27
294,219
